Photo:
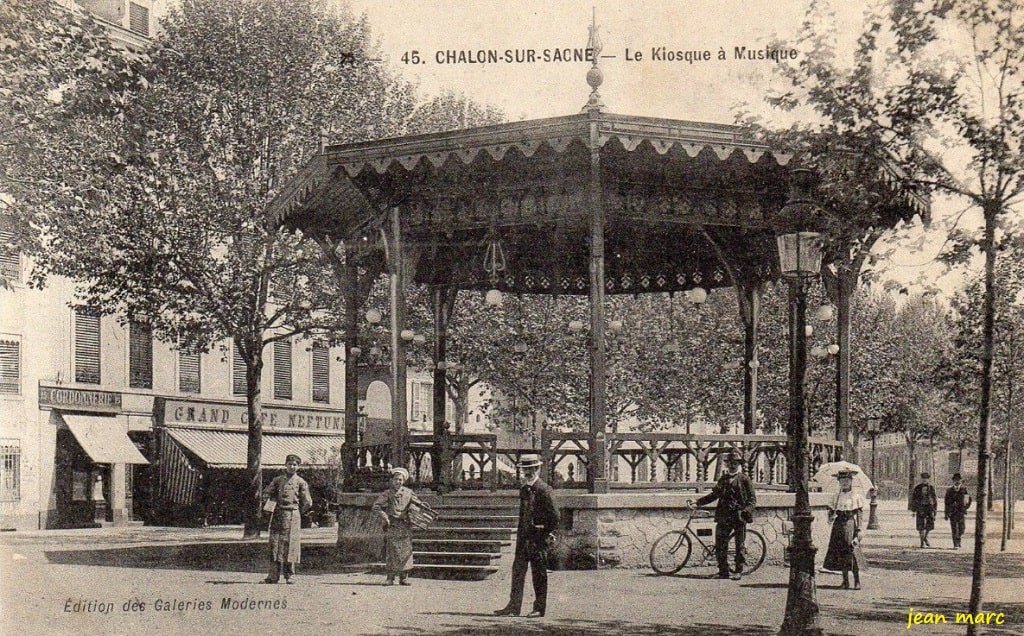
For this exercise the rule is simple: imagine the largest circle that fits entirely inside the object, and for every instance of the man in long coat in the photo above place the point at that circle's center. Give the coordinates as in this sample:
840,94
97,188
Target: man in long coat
958,500
292,500
538,518
736,503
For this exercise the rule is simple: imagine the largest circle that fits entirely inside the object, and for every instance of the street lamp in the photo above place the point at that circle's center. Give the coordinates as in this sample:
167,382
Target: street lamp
800,260
873,515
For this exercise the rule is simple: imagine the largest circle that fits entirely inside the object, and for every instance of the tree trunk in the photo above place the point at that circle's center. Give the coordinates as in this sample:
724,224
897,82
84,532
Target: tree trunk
846,283
991,212
254,450
911,467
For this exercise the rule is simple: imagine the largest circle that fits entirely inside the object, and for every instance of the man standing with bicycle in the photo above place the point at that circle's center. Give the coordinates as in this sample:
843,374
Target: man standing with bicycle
736,502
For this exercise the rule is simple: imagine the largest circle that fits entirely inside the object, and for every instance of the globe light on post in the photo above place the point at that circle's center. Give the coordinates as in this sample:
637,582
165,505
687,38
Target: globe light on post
808,331
615,326
824,313
407,334
697,295
494,298
419,338
833,349
373,316
575,326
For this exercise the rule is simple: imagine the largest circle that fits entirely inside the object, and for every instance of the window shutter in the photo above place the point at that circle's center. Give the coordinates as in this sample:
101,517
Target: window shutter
427,398
138,18
237,372
10,367
283,370
87,347
321,373
10,470
189,372
10,259
140,355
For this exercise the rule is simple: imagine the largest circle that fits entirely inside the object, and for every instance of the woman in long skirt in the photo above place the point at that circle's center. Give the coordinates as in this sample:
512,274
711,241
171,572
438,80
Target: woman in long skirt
844,551
291,496
393,508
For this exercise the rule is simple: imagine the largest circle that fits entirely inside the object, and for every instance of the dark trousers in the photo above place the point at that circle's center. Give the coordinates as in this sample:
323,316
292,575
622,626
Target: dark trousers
723,531
536,557
957,524
277,568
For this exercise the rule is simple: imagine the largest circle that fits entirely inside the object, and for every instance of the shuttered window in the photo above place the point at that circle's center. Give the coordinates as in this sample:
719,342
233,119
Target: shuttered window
190,379
10,470
10,366
87,346
138,18
140,355
237,372
283,370
10,258
321,373
422,401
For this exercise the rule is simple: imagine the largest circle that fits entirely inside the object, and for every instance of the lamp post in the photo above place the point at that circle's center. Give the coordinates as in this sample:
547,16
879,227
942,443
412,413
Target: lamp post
800,260
873,506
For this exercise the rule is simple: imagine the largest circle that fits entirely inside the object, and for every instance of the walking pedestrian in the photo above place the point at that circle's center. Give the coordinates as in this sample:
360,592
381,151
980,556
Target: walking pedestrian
924,504
844,552
290,494
736,503
393,508
958,500
538,519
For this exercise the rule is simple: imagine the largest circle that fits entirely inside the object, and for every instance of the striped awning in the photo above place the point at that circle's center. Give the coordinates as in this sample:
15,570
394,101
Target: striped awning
227,449
103,439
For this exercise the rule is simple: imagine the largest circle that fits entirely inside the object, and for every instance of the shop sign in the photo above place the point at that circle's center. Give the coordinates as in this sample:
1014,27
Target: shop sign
79,399
214,415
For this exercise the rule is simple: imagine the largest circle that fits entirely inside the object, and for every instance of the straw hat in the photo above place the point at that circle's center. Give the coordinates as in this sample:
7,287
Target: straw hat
529,460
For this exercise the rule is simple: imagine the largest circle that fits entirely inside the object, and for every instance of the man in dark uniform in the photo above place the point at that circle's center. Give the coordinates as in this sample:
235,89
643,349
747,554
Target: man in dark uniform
957,502
924,504
538,518
736,502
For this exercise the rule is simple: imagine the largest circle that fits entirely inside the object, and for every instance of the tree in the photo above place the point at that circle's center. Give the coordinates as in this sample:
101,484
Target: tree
181,237
63,86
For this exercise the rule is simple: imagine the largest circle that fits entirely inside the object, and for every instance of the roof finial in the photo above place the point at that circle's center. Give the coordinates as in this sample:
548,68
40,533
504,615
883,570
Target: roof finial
594,76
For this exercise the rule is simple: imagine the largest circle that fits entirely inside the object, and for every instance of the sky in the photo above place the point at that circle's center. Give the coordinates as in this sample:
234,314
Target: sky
636,82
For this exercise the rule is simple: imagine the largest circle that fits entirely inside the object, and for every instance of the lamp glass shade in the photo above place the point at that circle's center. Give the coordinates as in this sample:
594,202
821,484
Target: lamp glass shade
373,316
494,298
576,326
407,334
419,338
799,254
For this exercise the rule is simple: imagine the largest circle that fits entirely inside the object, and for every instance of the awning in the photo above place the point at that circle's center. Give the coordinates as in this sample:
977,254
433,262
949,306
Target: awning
225,449
103,439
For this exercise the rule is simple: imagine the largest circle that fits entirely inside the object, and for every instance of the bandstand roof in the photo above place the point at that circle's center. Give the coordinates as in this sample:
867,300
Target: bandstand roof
686,204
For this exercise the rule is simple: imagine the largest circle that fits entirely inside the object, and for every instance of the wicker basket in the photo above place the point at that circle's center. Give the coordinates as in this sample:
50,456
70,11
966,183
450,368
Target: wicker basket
421,516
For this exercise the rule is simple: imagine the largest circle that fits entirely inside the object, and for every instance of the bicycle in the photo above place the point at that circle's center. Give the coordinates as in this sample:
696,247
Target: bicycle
671,551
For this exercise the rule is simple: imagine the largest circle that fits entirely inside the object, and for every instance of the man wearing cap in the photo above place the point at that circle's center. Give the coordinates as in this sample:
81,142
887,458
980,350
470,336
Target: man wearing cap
538,518
736,503
924,504
958,500
290,494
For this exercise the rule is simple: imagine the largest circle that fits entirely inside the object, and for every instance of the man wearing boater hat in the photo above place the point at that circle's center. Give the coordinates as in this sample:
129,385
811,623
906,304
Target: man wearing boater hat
538,518
736,502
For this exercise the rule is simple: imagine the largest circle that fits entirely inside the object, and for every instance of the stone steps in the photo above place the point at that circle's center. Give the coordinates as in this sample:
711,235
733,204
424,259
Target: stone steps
469,537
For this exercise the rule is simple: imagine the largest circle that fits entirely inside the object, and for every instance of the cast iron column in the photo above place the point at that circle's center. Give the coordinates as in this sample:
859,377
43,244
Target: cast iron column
399,412
751,292
440,457
801,602
597,464
351,364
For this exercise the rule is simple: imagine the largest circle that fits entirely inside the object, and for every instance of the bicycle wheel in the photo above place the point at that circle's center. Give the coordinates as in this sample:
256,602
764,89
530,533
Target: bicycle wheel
670,552
754,548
